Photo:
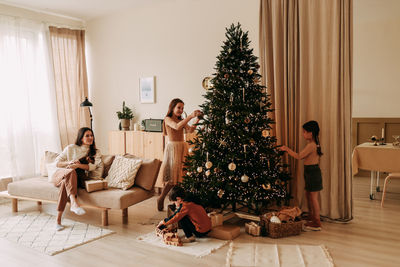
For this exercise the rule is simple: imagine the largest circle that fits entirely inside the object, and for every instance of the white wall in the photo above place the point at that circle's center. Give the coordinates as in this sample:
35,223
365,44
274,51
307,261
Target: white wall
376,48
176,40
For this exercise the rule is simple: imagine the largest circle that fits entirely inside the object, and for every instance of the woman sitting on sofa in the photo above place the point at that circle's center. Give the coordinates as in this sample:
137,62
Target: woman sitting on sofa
65,175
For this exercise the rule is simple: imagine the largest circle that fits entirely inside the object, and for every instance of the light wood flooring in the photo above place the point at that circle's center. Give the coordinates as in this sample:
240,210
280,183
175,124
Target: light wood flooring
371,239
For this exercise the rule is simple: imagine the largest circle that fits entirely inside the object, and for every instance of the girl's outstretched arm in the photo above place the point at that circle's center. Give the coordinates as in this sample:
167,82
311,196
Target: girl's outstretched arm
304,153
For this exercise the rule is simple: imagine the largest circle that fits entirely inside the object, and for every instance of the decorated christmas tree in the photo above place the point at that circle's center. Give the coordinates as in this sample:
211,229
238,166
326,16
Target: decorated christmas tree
234,160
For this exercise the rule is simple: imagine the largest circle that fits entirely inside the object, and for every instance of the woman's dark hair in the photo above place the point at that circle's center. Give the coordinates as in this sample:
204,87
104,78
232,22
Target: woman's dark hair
81,134
313,127
172,105
176,192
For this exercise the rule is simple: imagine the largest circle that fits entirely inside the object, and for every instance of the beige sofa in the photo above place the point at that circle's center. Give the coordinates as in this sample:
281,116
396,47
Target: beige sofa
40,190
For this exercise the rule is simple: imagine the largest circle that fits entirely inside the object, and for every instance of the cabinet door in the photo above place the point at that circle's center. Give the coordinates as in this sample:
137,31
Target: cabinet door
134,143
153,146
116,143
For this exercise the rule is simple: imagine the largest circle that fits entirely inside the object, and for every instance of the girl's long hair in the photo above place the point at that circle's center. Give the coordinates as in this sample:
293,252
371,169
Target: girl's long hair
313,127
170,112
78,142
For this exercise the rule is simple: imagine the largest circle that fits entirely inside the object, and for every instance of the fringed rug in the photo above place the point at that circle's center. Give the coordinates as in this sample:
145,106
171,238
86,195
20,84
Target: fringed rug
37,230
273,255
201,247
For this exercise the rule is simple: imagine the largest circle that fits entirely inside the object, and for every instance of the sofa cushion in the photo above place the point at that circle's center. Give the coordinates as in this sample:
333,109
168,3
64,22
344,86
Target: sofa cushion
49,157
107,161
148,172
39,188
123,172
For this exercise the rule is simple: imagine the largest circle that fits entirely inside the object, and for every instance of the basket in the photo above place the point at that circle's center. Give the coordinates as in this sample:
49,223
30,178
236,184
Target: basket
278,230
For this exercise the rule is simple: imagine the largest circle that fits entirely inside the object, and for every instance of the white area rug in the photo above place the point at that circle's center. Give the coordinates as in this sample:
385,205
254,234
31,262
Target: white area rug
37,230
201,247
273,255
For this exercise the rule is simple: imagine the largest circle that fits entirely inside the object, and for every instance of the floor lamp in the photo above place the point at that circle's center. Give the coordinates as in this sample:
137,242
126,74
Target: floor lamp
86,103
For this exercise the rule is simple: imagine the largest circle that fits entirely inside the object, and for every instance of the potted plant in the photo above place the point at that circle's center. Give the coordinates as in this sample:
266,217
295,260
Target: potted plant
125,116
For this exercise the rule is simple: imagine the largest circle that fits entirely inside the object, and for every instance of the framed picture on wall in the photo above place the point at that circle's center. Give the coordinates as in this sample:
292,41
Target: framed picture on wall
146,88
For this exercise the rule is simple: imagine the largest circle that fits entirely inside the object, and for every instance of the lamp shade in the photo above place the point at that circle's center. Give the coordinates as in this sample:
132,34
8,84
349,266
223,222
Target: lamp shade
86,103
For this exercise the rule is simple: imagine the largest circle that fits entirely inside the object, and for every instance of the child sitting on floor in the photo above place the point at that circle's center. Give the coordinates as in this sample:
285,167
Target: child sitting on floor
191,217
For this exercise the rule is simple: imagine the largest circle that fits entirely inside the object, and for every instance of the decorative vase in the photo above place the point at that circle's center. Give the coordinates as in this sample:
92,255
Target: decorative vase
125,123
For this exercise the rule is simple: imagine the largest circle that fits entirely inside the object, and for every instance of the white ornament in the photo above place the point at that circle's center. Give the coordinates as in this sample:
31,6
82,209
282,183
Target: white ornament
274,219
232,166
199,169
244,178
208,172
191,150
209,164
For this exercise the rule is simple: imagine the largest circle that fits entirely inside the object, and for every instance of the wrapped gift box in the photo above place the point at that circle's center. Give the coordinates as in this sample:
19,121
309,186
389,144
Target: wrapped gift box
95,185
225,232
216,219
252,228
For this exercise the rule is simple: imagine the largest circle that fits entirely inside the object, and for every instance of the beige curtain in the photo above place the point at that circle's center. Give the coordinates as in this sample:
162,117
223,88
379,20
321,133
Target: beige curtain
306,63
68,55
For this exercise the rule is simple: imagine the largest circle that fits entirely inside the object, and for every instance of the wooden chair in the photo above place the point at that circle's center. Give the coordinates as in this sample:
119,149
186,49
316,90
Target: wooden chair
390,176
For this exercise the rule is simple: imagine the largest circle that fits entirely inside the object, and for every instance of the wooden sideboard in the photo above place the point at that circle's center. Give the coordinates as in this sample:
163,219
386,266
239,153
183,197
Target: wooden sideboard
148,145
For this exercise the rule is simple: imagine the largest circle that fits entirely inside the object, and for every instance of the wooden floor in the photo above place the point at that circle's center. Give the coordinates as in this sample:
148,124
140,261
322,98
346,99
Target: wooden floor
371,239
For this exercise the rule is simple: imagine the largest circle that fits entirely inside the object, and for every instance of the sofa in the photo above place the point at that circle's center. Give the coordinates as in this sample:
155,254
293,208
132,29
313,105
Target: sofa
40,190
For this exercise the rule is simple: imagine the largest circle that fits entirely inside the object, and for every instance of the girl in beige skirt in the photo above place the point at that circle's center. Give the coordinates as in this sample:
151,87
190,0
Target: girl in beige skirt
176,149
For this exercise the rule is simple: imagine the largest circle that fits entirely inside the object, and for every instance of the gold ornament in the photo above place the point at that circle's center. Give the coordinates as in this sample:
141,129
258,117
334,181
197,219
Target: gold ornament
232,166
207,83
188,173
252,142
265,133
208,164
199,169
208,172
283,183
226,76
247,120
220,193
244,178
266,187
250,72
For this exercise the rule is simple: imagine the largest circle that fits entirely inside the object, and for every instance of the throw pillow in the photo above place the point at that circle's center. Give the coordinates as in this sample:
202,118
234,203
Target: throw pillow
49,157
123,172
107,160
148,172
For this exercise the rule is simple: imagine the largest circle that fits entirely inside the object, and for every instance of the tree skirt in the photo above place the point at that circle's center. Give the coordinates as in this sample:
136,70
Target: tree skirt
201,247
37,230
251,254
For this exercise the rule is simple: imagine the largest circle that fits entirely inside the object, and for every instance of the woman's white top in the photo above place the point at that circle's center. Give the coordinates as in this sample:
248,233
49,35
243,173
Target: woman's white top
74,152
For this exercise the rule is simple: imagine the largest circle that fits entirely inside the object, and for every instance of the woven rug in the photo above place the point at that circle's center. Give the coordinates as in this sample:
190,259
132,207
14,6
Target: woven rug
273,255
37,230
201,247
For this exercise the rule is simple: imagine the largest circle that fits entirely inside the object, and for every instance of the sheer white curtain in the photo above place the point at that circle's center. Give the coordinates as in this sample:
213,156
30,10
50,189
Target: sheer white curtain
28,119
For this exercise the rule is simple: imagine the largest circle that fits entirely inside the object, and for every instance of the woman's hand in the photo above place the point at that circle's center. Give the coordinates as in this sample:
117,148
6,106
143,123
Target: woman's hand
73,166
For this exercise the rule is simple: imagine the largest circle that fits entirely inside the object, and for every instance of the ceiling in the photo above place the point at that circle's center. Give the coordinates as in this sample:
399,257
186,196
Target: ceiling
80,9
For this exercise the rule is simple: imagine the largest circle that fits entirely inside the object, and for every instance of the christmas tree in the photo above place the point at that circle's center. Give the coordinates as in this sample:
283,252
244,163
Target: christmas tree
234,160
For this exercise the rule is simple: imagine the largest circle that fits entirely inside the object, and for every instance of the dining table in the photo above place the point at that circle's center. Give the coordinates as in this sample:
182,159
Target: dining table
376,158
